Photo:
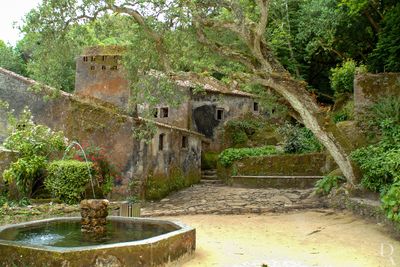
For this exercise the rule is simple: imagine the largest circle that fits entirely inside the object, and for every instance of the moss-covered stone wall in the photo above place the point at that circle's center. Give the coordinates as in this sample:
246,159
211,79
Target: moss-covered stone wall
313,164
369,87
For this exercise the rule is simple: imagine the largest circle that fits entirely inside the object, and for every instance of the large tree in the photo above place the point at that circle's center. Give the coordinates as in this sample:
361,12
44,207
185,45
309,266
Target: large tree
232,29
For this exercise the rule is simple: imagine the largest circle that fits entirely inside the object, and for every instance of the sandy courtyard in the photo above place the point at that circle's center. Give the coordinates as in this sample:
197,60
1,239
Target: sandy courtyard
312,238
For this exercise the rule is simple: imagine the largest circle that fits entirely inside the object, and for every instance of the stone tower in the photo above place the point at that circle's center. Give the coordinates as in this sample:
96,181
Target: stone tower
99,74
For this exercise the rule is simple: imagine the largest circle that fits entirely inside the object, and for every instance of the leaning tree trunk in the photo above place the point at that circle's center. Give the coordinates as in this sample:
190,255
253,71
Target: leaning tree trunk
315,119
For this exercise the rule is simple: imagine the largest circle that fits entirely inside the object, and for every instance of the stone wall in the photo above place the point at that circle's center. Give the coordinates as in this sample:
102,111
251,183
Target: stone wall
101,125
368,88
313,164
204,118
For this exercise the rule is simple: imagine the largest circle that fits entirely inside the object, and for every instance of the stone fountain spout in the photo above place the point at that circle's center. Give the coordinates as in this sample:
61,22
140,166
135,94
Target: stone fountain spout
94,216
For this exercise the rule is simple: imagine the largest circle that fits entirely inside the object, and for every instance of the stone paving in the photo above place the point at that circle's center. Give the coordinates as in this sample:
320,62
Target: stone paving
212,199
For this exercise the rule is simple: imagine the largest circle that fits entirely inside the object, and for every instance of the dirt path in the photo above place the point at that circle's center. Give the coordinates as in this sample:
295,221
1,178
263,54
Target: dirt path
308,238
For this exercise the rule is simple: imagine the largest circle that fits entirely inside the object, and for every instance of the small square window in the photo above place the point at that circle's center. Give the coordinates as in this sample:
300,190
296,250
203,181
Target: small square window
92,58
103,67
104,58
92,67
164,112
85,59
185,141
161,142
219,114
255,106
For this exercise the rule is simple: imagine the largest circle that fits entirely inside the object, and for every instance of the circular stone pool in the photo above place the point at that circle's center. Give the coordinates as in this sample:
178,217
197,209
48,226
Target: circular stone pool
127,242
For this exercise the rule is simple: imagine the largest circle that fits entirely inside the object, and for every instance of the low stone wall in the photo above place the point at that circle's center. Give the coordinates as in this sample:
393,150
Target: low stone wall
282,171
370,87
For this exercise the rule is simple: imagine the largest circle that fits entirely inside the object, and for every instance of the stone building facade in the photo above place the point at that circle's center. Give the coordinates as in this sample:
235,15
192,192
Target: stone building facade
100,75
94,122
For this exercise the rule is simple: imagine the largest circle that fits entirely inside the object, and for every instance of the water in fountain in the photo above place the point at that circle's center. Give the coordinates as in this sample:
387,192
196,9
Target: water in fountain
72,144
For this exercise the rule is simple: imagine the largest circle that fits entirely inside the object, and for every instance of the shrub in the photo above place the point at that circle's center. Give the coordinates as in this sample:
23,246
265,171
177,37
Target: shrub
298,139
380,162
344,114
105,172
35,145
239,131
391,202
68,179
342,77
326,184
228,156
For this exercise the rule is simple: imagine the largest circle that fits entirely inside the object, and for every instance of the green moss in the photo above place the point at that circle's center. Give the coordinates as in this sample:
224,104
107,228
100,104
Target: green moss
159,186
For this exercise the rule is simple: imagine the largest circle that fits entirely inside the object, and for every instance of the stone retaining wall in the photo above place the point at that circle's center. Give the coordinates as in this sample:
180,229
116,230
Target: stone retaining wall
368,88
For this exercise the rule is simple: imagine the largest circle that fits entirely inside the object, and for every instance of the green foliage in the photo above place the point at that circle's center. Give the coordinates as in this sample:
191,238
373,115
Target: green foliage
298,139
104,172
380,162
228,156
342,77
209,160
326,184
386,108
391,202
239,131
344,114
68,179
11,59
385,56
35,145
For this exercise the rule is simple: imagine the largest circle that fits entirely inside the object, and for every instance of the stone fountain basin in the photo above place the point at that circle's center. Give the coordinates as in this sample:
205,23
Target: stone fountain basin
161,250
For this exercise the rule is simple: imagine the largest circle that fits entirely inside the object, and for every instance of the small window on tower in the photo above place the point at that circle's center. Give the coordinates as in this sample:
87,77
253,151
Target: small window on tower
164,112
219,114
255,106
185,141
161,142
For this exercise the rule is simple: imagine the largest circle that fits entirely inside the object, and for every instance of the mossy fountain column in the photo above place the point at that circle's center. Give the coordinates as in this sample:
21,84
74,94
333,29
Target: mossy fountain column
94,213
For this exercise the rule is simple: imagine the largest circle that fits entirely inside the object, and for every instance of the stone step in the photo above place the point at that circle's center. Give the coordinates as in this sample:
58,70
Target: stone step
209,172
214,182
209,177
280,182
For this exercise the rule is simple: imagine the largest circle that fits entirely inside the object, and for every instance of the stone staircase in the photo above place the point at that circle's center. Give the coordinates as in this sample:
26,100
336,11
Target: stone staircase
210,177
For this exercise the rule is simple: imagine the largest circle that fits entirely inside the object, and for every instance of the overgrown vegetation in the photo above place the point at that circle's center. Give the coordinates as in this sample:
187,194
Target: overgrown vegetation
105,173
298,139
239,131
36,144
228,156
209,160
326,184
68,179
380,162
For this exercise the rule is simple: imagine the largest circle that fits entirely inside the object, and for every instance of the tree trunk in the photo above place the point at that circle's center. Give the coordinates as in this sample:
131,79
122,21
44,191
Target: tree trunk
316,120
